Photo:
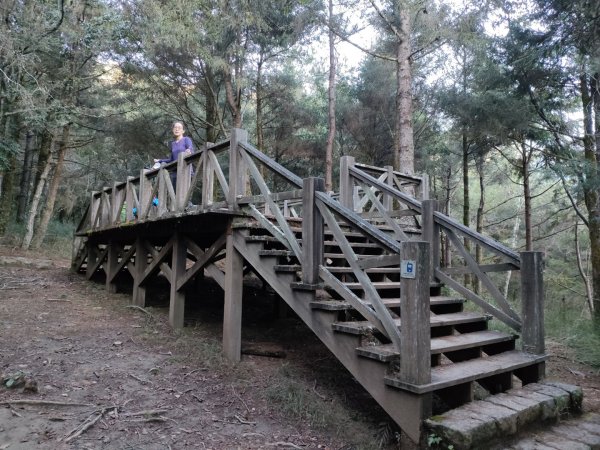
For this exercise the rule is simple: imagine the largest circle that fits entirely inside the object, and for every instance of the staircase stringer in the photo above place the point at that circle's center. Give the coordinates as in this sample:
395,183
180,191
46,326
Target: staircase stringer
408,410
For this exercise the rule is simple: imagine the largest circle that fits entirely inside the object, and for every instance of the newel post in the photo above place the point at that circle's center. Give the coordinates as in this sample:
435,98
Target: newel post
237,174
208,172
346,184
431,232
532,301
312,230
415,332
184,178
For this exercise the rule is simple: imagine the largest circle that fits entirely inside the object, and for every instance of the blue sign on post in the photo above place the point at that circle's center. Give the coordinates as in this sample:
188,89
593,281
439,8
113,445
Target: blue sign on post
408,268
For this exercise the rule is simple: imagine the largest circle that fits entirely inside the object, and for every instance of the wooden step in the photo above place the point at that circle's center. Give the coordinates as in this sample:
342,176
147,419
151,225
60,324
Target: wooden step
331,304
266,238
448,375
364,327
334,269
442,344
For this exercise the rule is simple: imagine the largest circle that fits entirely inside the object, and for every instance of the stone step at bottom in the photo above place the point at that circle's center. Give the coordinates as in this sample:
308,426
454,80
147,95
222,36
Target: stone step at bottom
479,424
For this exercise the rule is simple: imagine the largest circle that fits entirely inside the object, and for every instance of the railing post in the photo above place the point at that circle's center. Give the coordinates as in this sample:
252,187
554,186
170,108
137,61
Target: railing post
144,194
184,179
532,302
208,176
430,232
388,200
105,218
129,202
425,187
162,190
94,205
312,230
237,174
346,184
415,332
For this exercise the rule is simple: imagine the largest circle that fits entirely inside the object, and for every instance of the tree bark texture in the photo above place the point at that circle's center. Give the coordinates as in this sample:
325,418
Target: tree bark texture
35,202
479,219
526,195
331,109
25,183
466,194
591,194
404,144
48,210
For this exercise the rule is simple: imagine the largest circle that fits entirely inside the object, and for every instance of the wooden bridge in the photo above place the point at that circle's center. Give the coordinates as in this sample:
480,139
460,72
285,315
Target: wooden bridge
361,268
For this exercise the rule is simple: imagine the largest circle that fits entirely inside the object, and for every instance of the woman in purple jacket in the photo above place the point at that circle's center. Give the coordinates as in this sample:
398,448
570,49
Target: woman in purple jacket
180,144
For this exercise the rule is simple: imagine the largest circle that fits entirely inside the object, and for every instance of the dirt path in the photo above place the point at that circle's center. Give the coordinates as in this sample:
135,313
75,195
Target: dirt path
147,387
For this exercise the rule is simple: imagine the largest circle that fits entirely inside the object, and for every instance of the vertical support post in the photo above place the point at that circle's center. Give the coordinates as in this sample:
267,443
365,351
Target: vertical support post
112,260
162,190
232,315
388,200
532,302
141,262
184,179
177,299
94,206
415,347
92,258
129,202
144,194
425,187
312,230
346,184
208,178
237,172
105,219
431,233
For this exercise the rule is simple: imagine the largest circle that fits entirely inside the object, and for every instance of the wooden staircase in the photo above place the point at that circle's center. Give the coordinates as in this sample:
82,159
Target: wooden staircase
363,270
464,350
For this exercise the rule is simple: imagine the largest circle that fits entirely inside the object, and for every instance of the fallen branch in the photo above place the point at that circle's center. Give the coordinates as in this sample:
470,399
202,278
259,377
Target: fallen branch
148,412
245,422
42,402
139,308
283,444
141,380
148,419
88,423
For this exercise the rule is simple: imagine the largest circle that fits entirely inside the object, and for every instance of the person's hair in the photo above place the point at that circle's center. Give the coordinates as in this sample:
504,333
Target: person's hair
177,122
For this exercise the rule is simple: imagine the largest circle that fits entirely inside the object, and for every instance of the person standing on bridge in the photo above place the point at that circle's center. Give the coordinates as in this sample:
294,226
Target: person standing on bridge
179,144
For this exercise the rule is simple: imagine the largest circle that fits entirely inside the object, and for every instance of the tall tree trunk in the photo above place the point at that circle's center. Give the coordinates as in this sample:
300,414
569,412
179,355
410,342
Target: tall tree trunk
8,182
260,139
48,210
331,109
526,196
404,145
590,192
233,101
25,184
43,154
35,202
479,219
446,255
466,194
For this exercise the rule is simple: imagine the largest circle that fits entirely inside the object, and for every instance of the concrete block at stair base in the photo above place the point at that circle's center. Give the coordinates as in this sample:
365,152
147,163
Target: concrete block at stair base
561,397
462,429
528,410
549,410
505,418
578,434
575,392
590,427
592,418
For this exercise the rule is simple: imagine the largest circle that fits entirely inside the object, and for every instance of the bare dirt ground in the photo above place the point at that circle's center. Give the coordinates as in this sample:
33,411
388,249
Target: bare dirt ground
122,379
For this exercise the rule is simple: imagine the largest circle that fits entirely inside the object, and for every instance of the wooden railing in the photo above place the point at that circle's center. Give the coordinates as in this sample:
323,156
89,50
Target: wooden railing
434,226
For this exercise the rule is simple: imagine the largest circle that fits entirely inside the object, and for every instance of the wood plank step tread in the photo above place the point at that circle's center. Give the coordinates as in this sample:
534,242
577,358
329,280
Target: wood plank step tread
363,327
448,375
442,344
389,302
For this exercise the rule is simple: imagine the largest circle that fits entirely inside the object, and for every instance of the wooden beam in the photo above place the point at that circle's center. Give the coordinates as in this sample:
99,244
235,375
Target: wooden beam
112,262
177,298
157,261
203,258
346,184
532,301
415,332
312,231
141,261
232,315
